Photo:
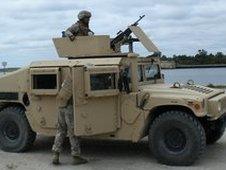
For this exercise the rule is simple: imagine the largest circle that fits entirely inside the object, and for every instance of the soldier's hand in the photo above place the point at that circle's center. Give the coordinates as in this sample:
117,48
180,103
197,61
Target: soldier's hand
90,33
72,37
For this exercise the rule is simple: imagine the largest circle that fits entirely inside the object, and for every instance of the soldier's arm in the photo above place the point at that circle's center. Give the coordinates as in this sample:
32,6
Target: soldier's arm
65,92
72,31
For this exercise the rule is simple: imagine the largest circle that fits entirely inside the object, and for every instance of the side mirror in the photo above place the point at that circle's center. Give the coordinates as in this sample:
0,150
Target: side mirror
163,76
190,82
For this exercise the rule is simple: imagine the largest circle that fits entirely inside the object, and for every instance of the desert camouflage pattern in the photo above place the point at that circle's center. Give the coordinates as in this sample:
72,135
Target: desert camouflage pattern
81,27
65,94
66,126
65,123
78,29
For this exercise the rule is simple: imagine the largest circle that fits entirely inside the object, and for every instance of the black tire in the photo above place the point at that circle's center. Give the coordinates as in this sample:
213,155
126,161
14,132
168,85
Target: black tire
176,138
16,134
214,130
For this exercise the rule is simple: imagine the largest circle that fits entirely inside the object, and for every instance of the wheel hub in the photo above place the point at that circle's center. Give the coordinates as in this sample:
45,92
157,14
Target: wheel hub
10,130
175,140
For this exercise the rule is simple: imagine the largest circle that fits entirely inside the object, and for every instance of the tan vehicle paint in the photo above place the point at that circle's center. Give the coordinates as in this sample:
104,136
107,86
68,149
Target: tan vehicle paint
106,113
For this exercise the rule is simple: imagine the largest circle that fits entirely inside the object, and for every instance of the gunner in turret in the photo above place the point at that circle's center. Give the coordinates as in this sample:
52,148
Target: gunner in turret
81,27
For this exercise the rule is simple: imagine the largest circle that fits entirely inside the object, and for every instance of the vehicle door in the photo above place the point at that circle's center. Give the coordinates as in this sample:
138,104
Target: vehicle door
96,93
44,86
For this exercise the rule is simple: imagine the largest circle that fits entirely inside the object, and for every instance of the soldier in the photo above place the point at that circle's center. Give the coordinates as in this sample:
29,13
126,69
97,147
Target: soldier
81,27
66,124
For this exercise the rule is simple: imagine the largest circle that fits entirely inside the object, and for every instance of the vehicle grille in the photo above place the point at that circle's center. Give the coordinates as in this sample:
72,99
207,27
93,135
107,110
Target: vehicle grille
200,89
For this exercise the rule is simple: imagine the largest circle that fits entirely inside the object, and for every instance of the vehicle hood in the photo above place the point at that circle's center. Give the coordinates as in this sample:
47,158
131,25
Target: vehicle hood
15,81
184,91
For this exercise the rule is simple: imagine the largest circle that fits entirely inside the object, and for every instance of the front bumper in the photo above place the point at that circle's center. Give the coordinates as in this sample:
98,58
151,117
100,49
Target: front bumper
217,106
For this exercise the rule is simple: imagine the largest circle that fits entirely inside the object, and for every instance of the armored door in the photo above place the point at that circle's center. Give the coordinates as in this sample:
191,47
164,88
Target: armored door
44,86
95,100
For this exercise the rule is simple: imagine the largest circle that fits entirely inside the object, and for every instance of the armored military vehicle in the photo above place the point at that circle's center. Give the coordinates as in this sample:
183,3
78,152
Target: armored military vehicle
116,96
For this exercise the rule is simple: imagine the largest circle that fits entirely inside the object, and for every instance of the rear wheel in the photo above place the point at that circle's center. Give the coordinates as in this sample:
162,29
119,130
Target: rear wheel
176,138
15,132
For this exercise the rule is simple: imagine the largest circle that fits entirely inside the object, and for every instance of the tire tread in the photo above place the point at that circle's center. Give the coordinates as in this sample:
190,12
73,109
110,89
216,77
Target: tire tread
185,116
31,134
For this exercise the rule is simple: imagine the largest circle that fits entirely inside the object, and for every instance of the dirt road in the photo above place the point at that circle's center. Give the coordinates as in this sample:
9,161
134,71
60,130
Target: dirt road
106,156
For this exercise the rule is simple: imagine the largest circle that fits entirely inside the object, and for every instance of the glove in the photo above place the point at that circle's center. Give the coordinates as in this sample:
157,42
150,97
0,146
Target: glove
72,37
90,33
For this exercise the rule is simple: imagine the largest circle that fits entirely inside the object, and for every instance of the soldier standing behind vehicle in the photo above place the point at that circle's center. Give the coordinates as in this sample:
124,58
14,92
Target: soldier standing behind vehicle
66,124
81,27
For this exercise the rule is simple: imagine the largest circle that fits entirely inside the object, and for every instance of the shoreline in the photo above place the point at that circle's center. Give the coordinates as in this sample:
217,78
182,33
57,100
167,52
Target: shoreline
196,66
201,66
8,69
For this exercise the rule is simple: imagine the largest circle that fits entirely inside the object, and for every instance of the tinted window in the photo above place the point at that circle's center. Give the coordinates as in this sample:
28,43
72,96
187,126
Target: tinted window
102,81
47,81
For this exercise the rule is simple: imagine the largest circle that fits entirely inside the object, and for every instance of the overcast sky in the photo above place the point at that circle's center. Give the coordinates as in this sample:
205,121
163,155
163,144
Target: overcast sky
176,26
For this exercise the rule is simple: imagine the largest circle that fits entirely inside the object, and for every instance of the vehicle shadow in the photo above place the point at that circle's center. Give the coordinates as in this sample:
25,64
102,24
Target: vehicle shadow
97,150
97,147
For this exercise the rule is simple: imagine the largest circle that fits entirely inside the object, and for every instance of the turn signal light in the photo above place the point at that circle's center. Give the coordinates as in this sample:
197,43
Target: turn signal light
197,106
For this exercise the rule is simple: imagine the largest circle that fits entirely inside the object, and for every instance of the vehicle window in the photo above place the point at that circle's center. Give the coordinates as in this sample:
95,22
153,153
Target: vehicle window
140,73
152,71
103,81
46,81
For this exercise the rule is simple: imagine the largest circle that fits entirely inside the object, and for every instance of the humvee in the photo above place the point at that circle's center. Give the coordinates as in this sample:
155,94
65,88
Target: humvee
116,96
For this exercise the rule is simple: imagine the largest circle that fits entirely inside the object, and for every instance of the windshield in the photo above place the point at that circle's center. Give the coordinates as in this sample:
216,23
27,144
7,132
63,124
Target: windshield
152,72
145,72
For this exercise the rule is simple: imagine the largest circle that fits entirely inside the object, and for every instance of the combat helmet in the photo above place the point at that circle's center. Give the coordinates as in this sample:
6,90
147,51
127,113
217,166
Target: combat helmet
84,14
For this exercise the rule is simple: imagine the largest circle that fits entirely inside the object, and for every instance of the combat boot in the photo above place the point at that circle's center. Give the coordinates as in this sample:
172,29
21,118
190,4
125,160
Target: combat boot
56,158
77,160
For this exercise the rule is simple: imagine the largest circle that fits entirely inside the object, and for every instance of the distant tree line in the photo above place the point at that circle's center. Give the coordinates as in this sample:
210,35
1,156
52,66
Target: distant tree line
202,57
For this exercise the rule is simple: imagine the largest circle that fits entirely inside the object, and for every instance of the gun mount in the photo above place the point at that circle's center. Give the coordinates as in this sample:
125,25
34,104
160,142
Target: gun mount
123,37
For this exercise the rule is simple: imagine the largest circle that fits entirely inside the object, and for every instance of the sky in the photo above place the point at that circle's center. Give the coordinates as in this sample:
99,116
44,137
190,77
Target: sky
175,26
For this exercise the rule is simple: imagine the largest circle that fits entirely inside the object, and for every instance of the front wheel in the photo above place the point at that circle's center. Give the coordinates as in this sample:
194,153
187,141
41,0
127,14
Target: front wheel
176,138
214,130
16,134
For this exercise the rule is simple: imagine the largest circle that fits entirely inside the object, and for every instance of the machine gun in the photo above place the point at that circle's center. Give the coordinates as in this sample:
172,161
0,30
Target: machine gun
123,36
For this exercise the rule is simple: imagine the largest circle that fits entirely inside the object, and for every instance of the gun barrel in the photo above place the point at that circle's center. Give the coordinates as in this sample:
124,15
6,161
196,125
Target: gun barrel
136,23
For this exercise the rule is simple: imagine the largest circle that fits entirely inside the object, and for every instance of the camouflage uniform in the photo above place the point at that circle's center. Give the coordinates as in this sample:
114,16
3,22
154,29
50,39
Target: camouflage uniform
66,119
66,126
80,28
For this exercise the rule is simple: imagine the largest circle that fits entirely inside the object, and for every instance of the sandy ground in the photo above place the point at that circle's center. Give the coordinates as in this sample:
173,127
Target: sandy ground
106,155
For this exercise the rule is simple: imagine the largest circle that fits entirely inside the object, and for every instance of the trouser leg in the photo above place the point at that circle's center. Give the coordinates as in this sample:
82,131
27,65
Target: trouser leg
74,140
75,146
61,131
